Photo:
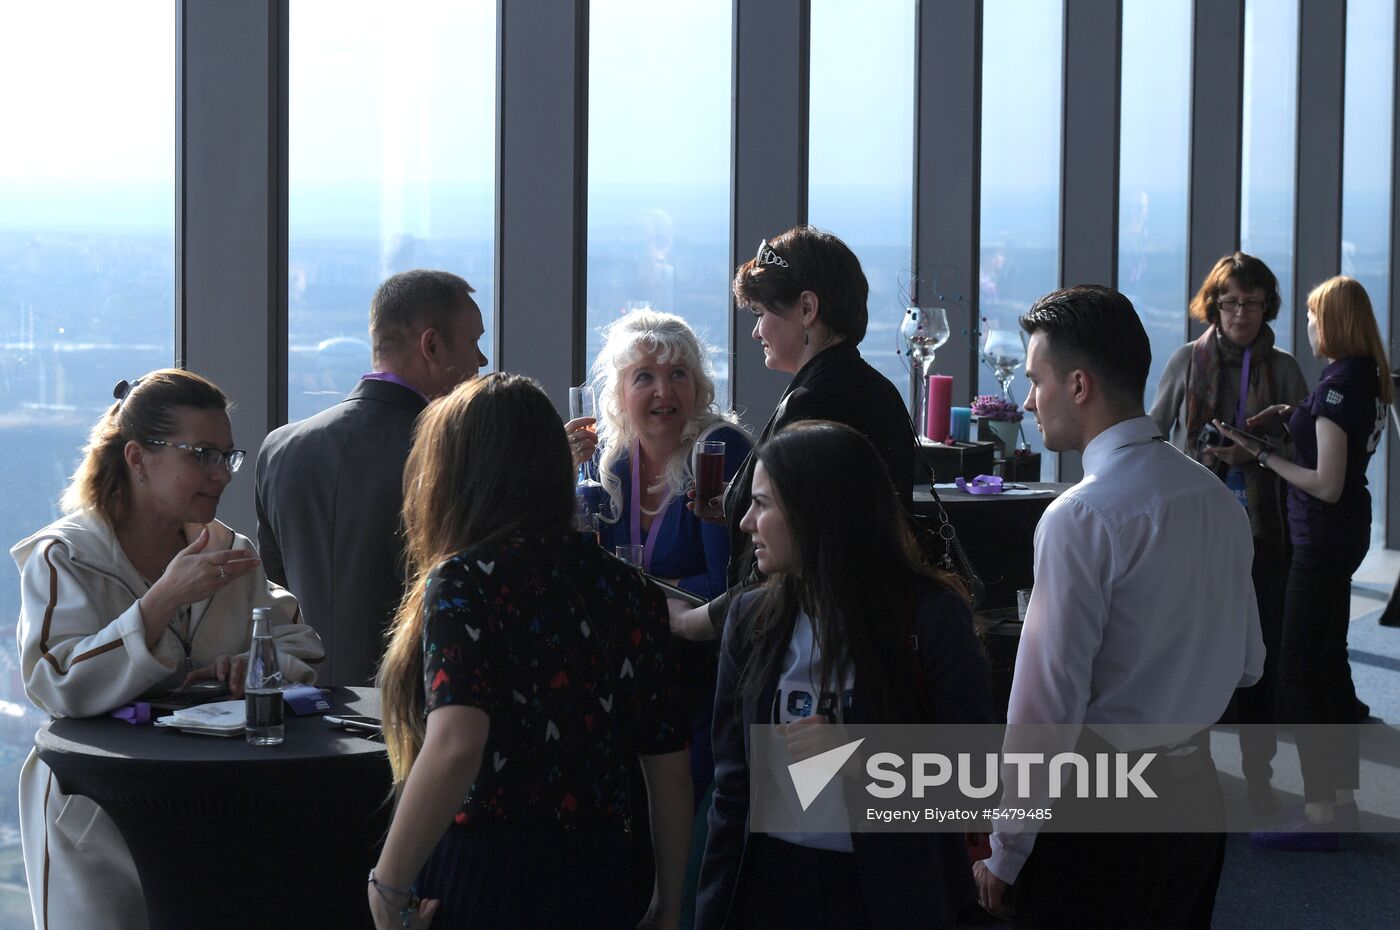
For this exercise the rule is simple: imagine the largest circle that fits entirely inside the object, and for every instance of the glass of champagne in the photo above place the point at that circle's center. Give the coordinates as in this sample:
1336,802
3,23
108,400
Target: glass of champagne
588,491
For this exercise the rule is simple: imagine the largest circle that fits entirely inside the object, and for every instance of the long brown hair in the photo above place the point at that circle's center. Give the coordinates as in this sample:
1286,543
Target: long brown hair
144,409
489,460
861,568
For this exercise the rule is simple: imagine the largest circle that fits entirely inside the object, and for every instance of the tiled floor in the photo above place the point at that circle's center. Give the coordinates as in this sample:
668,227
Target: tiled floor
1357,887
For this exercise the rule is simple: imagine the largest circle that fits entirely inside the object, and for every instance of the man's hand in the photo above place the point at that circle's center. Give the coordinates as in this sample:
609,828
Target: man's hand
991,891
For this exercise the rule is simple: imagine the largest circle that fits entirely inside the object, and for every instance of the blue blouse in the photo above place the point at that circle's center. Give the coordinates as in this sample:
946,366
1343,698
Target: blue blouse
686,547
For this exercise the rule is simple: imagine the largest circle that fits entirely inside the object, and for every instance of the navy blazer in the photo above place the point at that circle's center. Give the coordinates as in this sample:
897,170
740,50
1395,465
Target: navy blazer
329,492
907,879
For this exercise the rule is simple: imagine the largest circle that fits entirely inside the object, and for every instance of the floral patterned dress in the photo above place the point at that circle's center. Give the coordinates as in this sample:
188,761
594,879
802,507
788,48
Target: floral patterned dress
570,655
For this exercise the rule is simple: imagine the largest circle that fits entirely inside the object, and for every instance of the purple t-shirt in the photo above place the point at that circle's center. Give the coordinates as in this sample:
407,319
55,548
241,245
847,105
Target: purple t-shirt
1348,394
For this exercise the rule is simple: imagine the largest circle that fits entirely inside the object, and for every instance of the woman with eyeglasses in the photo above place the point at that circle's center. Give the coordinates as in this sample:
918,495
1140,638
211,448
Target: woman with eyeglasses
1335,432
1231,373
134,591
807,293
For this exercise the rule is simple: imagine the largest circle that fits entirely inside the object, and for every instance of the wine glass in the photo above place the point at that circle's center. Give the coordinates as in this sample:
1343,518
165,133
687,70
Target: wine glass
1004,350
923,331
588,491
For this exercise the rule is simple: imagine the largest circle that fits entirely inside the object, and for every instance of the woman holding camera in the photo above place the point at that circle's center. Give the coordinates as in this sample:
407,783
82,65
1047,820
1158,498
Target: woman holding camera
1231,373
1335,431
526,669
137,589
850,627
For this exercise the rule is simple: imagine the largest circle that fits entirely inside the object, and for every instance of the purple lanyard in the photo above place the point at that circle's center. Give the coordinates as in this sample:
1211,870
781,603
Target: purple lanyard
1244,388
637,509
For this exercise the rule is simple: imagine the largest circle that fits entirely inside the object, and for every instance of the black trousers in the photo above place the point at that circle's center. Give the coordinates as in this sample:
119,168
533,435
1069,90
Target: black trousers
1087,881
1257,704
1315,685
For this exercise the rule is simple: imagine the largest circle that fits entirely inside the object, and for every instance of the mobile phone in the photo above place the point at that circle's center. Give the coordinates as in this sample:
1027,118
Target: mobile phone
1211,435
204,686
356,723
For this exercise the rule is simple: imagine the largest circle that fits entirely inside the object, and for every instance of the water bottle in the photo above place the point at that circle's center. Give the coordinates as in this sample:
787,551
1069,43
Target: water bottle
263,684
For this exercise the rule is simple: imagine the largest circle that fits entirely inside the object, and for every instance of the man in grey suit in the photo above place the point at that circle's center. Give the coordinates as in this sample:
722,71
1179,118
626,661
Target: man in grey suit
330,487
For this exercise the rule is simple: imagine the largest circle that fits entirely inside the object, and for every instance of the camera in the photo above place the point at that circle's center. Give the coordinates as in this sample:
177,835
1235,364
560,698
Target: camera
1212,436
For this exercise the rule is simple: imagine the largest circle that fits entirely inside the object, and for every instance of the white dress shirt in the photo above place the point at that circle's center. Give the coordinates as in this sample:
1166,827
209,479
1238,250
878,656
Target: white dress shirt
1143,609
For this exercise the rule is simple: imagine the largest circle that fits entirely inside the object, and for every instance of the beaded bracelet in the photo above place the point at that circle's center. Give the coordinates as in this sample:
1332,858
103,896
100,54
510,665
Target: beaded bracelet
406,912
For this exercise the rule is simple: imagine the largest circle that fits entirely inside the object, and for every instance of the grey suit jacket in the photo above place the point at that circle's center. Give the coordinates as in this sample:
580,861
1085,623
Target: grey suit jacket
329,492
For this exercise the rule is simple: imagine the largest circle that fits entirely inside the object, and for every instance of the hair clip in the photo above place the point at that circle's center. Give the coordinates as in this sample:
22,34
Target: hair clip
123,389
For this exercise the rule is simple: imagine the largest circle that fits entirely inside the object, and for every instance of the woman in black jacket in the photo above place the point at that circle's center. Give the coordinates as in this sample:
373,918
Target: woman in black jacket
851,627
807,293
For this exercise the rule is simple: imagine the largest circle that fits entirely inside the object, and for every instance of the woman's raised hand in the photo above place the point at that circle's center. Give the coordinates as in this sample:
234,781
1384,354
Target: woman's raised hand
711,511
192,576
583,438
1270,415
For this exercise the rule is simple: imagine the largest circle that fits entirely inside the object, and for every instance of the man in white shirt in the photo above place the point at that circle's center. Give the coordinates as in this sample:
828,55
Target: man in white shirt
1143,612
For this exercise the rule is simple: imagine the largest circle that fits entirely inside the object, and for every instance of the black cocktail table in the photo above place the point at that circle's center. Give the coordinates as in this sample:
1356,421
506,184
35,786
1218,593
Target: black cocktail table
225,834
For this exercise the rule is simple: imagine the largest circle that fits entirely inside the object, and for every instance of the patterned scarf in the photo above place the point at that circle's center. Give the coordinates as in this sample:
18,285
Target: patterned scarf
1210,357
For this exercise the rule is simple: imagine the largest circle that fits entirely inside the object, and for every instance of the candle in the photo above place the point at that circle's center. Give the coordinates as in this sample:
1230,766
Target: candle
936,410
960,419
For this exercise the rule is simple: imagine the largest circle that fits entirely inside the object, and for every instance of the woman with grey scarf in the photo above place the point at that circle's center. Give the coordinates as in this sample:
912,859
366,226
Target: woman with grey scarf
1230,373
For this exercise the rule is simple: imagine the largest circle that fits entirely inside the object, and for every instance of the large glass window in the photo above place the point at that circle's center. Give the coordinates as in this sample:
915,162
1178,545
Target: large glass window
1154,142
1366,184
658,166
1022,80
1270,150
391,167
87,184
861,167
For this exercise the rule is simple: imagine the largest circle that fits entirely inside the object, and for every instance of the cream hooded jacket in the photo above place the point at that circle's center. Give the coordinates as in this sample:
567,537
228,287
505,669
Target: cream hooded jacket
83,652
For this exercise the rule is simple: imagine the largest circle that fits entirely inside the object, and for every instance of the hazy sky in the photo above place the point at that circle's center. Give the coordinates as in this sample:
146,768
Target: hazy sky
406,91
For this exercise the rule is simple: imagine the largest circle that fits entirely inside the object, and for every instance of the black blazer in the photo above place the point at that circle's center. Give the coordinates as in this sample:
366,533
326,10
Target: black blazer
837,384
329,492
907,879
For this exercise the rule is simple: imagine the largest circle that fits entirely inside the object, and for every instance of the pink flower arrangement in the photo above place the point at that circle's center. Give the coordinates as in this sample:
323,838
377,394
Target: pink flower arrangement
994,407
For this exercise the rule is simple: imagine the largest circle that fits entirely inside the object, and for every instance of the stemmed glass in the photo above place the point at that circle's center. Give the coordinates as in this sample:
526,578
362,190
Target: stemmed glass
1004,351
588,491
923,331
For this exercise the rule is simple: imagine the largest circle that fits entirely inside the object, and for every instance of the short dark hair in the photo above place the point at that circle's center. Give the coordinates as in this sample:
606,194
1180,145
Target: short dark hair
815,261
413,301
1249,273
1095,328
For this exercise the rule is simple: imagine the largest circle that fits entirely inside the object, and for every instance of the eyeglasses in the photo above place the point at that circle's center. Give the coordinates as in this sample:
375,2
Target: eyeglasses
1232,306
205,457
766,256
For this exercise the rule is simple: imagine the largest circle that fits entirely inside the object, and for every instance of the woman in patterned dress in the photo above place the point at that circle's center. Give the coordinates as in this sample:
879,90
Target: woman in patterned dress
525,668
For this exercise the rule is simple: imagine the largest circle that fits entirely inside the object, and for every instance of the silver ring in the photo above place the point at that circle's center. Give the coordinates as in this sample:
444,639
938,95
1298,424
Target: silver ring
221,571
